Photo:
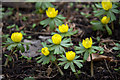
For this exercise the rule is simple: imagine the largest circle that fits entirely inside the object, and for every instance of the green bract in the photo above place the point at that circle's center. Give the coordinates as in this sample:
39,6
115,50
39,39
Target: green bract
97,25
109,13
59,49
53,21
12,45
94,49
46,59
70,64
43,6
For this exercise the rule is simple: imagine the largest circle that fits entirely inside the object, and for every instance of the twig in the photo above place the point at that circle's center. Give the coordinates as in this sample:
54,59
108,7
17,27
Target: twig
59,69
108,69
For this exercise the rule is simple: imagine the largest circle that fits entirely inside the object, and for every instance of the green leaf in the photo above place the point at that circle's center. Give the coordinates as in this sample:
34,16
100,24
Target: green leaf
67,45
114,6
116,48
97,25
17,28
80,51
45,22
108,30
72,67
10,47
50,40
27,47
48,4
111,15
29,78
53,58
62,59
52,24
9,57
86,54
115,10
46,60
57,50
99,13
78,63
61,49
8,27
58,21
44,44
9,40
34,25
20,46
60,17
38,5
67,65
98,5
62,63
39,57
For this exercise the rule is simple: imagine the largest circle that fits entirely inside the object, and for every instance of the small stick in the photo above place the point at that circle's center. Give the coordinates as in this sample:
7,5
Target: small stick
108,69
91,65
59,68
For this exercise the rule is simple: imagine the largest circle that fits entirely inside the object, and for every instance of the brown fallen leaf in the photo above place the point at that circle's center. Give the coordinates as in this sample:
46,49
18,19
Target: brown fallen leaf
98,57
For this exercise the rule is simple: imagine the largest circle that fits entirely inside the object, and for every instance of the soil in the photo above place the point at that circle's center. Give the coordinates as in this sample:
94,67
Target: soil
22,68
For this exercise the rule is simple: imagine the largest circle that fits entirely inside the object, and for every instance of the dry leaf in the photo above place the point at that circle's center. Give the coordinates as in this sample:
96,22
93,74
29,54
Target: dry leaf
98,57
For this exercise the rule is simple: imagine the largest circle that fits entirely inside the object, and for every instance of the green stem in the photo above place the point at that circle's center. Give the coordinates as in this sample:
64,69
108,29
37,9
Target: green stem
112,25
76,75
92,73
59,68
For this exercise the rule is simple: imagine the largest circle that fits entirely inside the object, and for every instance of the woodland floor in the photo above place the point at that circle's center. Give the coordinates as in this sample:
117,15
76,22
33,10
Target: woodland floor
21,68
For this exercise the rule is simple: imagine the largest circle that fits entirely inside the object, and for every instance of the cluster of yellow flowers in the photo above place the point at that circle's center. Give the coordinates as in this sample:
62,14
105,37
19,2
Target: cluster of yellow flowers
57,38
106,4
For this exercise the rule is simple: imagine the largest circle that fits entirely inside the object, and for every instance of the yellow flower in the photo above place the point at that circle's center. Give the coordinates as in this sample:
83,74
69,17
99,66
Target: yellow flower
87,43
105,20
106,4
45,51
16,37
70,55
56,39
51,13
63,28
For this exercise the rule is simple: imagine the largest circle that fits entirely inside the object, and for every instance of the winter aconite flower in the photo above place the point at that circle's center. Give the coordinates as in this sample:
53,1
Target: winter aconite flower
63,28
56,39
51,13
106,4
45,51
105,20
16,37
70,55
87,43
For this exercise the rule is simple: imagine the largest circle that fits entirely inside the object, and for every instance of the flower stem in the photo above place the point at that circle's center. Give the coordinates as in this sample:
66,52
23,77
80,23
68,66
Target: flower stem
91,65
59,68
76,75
112,25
